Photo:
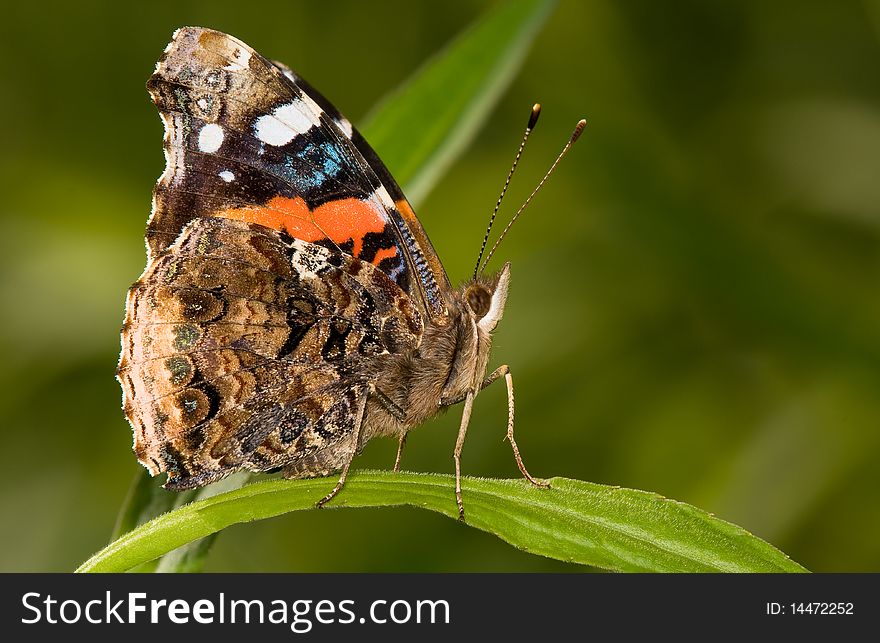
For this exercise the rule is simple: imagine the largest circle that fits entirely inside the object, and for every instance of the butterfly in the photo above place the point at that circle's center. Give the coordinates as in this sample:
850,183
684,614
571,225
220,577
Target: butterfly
292,307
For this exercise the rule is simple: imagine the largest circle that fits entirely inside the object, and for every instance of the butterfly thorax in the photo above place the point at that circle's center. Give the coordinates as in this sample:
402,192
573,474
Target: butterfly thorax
450,361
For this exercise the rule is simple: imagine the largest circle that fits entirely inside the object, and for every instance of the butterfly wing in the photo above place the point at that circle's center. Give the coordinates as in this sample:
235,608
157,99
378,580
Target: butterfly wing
244,348
247,139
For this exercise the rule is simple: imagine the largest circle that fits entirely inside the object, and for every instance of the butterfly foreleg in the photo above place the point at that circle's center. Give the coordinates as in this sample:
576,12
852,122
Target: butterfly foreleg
388,404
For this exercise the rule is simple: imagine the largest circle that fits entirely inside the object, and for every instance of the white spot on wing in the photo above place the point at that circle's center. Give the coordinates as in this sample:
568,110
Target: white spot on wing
284,124
210,138
227,176
240,59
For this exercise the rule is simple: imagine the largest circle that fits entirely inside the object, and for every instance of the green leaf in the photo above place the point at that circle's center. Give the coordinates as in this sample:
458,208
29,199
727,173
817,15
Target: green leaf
191,556
145,500
422,127
580,522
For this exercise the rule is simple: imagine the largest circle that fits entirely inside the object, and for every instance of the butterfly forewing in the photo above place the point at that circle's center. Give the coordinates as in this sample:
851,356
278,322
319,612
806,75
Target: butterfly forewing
247,139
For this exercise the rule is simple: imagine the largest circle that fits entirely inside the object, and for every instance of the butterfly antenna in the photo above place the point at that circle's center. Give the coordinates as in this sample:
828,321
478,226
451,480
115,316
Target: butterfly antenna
574,136
533,118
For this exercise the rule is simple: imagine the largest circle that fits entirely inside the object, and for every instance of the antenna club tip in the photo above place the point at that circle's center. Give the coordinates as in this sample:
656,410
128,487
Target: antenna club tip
533,117
578,129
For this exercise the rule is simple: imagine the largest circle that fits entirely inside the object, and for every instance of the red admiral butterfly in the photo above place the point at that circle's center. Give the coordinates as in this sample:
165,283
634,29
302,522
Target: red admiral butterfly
292,307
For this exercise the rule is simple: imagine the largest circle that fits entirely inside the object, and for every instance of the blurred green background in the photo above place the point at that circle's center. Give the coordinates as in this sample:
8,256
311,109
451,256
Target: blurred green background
694,304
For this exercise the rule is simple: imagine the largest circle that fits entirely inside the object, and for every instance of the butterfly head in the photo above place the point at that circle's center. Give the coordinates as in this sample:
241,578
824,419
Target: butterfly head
485,296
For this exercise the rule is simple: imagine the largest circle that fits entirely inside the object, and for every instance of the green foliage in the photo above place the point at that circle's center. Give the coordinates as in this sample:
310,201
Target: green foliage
423,126
574,521
146,500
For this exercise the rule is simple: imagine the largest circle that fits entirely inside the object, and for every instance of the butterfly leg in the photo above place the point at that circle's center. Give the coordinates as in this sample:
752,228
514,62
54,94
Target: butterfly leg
459,443
400,446
359,423
509,437
494,375
399,414
388,404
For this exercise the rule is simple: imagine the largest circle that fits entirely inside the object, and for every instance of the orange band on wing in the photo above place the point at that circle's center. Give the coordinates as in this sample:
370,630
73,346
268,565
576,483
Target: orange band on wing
279,213
384,253
338,221
348,219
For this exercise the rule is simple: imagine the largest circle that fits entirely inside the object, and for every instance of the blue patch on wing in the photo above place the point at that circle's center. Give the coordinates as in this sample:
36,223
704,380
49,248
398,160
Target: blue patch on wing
314,166
332,161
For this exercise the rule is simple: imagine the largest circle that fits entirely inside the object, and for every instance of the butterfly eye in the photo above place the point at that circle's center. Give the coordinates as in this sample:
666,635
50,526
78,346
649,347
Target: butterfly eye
479,299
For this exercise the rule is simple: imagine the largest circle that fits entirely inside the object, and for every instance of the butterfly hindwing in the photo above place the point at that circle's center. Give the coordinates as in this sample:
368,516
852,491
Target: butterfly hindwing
247,139
244,348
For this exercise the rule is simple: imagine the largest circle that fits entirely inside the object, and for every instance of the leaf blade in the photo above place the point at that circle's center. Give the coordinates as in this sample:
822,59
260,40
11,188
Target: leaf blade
444,104
608,527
